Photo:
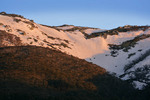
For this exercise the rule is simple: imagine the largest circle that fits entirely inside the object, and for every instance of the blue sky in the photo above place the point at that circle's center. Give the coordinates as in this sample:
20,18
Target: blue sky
105,14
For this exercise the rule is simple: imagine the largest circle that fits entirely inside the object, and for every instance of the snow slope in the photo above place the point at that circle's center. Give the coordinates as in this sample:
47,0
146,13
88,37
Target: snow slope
77,44
72,40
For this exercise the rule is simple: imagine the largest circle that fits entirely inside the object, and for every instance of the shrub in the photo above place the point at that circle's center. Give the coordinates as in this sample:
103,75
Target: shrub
17,20
1,24
30,24
35,40
131,54
11,15
21,32
12,39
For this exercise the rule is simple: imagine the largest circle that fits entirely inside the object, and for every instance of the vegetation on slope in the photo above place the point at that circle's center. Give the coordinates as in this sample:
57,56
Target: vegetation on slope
129,44
75,28
115,31
36,73
7,39
10,15
141,73
137,60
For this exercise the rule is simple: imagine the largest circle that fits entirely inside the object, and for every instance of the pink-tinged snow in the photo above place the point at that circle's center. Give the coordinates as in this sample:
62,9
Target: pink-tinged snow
125,36
66,27
80,47
89,31
116,64
30,35
86,48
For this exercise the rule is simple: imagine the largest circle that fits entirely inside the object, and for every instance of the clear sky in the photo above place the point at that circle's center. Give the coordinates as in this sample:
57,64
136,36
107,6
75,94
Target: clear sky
105,14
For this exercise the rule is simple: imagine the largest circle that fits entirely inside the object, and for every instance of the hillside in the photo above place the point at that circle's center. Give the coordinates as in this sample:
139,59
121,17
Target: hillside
36,73
122,50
